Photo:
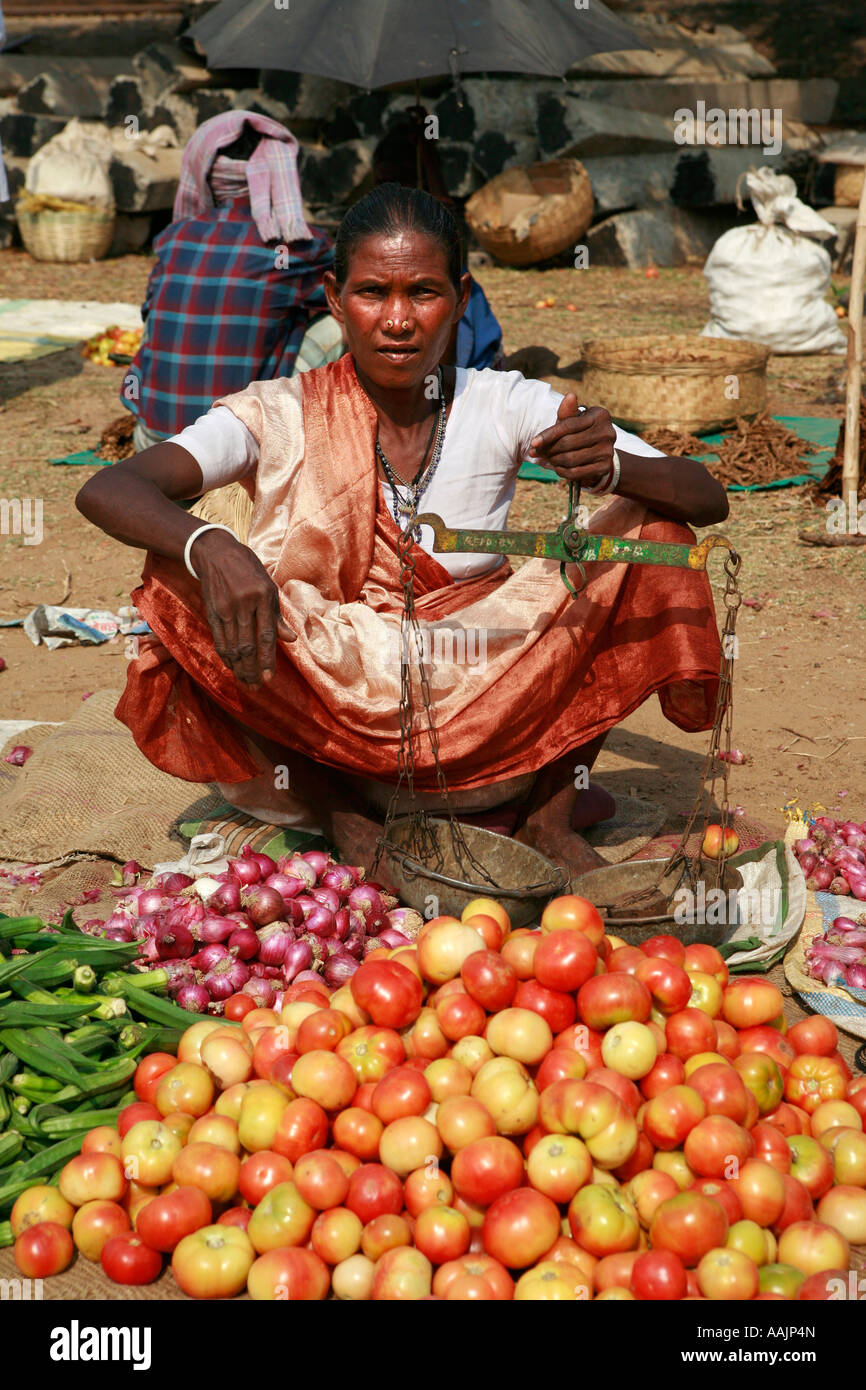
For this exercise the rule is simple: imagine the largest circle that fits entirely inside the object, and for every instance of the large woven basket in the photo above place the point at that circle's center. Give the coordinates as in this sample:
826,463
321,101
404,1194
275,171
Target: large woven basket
524,216
673,381
67,236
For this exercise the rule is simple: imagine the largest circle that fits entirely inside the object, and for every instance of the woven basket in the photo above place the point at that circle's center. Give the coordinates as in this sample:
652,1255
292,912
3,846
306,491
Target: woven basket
675,381
67,236
528,215
848,185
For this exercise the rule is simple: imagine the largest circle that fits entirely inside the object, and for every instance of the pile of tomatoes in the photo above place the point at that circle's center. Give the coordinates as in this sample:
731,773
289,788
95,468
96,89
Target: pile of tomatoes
489,1114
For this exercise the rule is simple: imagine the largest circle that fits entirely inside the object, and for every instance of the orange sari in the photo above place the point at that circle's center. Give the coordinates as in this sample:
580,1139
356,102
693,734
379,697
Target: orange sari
557,671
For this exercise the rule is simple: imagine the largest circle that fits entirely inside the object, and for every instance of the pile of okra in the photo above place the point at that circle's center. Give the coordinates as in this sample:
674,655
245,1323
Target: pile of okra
73,1023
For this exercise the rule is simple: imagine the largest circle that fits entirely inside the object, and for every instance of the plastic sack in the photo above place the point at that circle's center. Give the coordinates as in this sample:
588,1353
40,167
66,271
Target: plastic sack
768,281
73,165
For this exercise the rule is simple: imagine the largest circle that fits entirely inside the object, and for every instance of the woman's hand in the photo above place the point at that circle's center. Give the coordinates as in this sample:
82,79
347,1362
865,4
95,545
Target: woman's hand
579,446
242,606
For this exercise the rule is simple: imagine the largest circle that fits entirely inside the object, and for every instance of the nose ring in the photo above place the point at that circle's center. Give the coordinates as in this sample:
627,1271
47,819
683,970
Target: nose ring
389,323
405,323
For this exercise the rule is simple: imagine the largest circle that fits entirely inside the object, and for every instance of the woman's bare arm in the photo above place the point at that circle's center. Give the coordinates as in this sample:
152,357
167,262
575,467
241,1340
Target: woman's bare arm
134,501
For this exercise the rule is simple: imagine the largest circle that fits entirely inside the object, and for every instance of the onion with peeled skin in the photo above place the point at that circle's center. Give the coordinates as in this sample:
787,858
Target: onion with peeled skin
339,968
855,976
393,938
246,871
311,975
320,921
173,883
299,956
845,924
227,898
340,877
262,991
821,879
212,928
354,943
174,943
244,943
194,998
226,977
806,846
293,866
274,940
328,897
209,955
808,863
342,923
263,905
153,900
287,886
318,861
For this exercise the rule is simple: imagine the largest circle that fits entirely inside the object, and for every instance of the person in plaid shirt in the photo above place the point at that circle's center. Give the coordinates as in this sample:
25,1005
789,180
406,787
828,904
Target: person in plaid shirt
237,284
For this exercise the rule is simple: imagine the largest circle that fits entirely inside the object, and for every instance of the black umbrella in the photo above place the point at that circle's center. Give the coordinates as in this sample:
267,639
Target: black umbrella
373,43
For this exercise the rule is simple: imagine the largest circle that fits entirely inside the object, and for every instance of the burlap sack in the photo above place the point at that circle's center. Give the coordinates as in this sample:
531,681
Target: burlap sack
88,790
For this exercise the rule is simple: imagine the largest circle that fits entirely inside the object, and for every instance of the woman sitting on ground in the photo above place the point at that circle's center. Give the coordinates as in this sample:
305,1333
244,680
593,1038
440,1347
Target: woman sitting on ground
236,294
274,668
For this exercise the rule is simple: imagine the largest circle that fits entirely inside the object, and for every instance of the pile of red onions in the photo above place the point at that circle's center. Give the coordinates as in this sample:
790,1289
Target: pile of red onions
257,928
833,857
839,956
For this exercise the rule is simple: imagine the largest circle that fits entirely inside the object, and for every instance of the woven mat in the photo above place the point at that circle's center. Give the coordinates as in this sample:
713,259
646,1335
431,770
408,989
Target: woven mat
634,825
62,803
832,1001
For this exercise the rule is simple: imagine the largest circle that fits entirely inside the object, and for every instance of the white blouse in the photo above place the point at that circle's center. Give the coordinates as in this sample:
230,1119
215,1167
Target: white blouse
494,418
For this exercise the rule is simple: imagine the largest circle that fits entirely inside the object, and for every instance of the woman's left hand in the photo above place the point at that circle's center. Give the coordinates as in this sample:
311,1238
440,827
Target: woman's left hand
579,447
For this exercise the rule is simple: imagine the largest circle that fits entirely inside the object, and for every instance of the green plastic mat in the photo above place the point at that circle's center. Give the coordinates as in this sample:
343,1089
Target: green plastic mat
816,430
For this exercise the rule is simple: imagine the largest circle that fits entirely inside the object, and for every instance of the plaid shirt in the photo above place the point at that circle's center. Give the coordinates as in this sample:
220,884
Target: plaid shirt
219,314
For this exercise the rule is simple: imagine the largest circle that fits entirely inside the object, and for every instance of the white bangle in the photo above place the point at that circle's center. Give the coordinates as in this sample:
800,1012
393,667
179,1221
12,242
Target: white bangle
611,482
209,526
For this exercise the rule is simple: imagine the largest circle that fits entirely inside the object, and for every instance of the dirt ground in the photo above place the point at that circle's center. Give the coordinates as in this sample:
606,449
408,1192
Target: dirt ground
799,712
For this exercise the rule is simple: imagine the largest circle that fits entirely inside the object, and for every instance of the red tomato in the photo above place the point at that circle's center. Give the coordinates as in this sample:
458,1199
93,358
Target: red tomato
626,958
476,1267
260,1172
669,985
127,1260
490,979
688,1032
565,960
404,1091
553,1005
321,1180
371,1051
722,1089
666,1071
303,1126
763,1038
584,1040
388,992
816,1035
149,1072
658,1274
771,1146
575,913
559,1064
789,1119
722,1192
619,1084
131,1114
608,999
238,1005
43,1249
668,947
520,1226
689,1224
486,1169
374,1191
235,1216
322,1030
460,1016
706,959
442,1234
166,1219
358,1131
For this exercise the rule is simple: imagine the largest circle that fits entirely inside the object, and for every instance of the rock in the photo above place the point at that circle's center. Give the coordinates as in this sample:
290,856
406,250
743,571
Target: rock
334,176
456,120
125,98
456,160
630,181
811,100
131,233
493,151
708,177
142,184
567,126
309,100
64,94
165,68
719,51
661,237
212,101
176,111
366,110
17,70
22,134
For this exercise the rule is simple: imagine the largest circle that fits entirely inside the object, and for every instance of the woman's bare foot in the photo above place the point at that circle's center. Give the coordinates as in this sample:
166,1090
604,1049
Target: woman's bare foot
592,806
549,830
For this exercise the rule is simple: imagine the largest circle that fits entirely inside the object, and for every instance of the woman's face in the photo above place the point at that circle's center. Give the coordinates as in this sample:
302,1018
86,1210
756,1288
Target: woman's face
397,279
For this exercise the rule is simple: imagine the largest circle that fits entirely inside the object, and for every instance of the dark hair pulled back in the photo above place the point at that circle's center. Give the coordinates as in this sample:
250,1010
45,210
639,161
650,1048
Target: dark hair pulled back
392,208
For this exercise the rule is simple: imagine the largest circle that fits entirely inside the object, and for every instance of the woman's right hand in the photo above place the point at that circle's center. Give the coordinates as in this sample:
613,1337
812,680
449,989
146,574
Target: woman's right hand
242,606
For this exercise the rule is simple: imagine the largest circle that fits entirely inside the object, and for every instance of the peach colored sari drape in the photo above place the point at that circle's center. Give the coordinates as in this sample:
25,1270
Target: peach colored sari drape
556,671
